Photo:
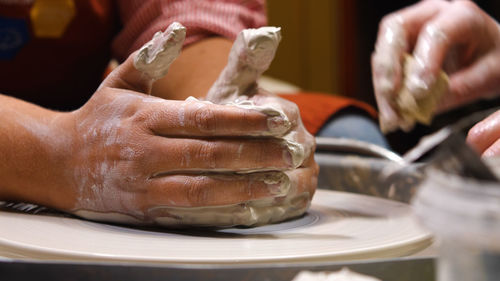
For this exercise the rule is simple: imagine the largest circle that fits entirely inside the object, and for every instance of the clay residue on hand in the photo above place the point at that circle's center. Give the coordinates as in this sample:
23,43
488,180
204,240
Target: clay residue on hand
250,213
251,55
154,58
281,129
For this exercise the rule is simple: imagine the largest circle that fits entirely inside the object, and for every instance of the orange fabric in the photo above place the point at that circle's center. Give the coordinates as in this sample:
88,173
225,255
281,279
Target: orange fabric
317,108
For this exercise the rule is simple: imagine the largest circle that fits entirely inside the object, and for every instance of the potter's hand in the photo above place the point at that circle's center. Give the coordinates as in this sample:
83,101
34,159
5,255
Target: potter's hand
133,153
300,141
298,180
143,159
456,36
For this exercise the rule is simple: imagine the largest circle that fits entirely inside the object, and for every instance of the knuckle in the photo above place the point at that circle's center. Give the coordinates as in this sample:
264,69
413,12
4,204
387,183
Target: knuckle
461,89
140,117
147,118
384,22
208,153
132,154
294,109
205,119
387,21
474,134
469,12
466,5
130,179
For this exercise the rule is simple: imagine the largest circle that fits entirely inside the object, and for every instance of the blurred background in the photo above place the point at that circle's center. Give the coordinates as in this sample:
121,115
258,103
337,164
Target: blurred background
327,44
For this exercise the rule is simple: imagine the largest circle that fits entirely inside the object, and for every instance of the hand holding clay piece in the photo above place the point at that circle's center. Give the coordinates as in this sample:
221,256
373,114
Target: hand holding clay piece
457,37
419,108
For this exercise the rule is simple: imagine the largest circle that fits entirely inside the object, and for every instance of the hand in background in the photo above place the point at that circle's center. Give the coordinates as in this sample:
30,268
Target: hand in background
456,36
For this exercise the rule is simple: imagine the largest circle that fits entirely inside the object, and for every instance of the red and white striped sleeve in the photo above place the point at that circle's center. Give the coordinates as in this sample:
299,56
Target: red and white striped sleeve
202,18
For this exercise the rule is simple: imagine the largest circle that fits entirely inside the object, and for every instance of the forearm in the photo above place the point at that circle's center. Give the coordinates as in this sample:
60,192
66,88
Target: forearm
195,70
32,144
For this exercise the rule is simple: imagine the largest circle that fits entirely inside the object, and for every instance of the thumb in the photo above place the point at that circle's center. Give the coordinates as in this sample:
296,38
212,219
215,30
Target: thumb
150,63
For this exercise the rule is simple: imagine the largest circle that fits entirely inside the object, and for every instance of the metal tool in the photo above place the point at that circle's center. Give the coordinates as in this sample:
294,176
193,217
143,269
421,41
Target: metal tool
365,168
351,146
450,152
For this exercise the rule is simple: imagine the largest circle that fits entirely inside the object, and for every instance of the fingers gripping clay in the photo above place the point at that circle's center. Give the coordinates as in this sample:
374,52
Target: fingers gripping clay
420,108
251,55
252,213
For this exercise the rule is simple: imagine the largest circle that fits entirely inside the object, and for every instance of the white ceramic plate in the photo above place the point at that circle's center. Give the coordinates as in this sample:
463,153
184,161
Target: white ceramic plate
339,226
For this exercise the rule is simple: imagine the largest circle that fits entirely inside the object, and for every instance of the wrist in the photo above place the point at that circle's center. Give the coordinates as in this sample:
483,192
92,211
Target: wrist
34,148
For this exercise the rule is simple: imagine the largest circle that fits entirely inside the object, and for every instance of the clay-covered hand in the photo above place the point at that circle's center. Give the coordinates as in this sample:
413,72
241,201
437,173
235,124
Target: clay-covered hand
139,159
303,176
456,36
300,178
133,153
251,54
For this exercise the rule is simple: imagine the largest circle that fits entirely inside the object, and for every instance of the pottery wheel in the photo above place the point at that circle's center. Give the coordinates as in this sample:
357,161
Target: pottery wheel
338,226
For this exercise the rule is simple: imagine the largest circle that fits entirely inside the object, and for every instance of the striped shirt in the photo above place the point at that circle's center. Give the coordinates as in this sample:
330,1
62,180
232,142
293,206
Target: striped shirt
202,18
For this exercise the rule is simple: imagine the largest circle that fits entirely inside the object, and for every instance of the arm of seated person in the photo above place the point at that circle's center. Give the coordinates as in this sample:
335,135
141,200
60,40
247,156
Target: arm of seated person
195,70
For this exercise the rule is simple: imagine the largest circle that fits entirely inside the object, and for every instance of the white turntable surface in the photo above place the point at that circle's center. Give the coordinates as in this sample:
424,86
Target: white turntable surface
338,226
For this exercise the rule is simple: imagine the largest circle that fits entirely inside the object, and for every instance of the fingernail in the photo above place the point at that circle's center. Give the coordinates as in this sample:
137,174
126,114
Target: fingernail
278,183
278,125
297,152
277,189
